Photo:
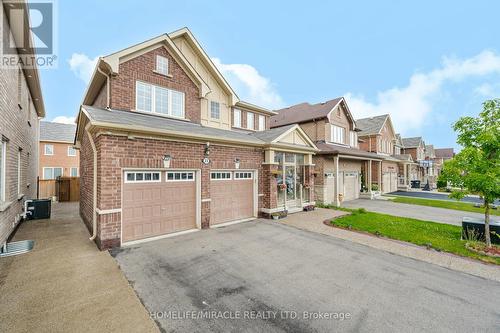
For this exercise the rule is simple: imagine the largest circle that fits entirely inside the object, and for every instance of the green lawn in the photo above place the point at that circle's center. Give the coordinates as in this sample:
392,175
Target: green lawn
442,237
456,205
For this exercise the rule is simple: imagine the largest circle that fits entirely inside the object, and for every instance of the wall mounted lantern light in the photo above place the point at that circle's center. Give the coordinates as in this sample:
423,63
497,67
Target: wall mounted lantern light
236,163
166,161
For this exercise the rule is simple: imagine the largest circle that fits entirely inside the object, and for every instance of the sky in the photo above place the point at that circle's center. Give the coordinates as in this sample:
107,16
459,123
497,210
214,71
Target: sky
426,63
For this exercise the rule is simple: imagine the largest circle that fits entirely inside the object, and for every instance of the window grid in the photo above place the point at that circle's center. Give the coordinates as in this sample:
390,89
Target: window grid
150,98
338,134
237,118
214,110
142,177
162,65
49,150
243,175
180,176
250,121
220,175
71,151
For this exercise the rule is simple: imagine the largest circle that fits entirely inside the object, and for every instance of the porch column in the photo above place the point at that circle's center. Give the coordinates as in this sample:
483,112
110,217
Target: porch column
336,187
369,176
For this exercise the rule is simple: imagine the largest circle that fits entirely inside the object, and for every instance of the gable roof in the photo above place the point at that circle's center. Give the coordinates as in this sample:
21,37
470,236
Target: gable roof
399,141
330,148
274,135
303,112
429,151
444,152
57,132
412,142
371,125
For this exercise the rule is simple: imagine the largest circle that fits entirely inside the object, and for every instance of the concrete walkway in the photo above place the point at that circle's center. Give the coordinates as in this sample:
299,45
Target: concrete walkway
440,215
313,221
66,284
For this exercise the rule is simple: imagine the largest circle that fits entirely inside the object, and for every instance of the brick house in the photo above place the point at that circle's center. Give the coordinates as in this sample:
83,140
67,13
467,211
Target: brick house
378,136
415,147
21,105
440,156
58,156
168,147
341,167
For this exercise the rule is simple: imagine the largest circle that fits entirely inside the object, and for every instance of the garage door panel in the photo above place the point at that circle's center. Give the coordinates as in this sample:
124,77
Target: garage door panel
231,200
157,208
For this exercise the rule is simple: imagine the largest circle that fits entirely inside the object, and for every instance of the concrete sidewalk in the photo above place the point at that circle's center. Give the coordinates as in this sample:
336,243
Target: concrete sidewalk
66,284
434,214
313,221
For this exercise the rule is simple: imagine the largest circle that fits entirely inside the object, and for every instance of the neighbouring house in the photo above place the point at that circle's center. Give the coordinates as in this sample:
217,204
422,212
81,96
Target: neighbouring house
379,137
21,106
440,156
415,147
168,147
58,156
430,167
341,167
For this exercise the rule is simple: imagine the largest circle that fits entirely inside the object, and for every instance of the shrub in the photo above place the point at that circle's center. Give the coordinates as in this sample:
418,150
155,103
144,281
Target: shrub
374,187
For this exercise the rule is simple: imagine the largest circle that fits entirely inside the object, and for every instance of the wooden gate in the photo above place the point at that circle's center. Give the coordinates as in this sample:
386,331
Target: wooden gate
63,188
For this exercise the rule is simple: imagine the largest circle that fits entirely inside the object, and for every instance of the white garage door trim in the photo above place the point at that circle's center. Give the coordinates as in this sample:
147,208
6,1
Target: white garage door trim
255,183
197,179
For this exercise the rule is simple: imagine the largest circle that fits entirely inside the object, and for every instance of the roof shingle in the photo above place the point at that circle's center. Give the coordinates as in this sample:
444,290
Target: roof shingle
57,132
371,125
303,112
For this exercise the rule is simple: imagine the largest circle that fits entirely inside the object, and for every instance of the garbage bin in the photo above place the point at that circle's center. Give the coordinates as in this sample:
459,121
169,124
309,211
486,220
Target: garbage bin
476,226
39,208
415,184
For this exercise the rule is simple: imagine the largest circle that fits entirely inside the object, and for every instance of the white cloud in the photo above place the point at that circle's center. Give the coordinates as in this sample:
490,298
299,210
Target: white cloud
485,90
82,66
64,120
250,85
409,106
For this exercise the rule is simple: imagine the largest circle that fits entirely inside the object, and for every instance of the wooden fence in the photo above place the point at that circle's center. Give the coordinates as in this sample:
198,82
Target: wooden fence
63,188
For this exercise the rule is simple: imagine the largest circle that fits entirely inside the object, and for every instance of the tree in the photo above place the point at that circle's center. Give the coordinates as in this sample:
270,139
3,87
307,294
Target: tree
476,168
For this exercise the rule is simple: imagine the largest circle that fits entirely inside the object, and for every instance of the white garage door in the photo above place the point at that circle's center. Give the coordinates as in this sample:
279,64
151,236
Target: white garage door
156,203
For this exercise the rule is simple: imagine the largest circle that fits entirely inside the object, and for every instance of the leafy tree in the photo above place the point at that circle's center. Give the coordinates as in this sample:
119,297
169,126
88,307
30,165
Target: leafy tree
476,168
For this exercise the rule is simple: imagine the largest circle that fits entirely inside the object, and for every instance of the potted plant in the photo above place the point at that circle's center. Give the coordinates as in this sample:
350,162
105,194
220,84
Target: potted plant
282,186
279,215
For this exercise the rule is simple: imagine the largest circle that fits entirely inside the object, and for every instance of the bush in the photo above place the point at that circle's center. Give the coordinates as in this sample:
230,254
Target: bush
441,183
374,187
361,210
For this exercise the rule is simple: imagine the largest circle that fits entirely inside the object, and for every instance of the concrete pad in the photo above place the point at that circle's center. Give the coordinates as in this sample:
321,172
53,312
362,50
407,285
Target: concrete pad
66,284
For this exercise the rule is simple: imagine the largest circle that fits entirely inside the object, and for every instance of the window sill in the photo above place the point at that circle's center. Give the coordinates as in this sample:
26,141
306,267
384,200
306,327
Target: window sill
4,205
160,115
166,75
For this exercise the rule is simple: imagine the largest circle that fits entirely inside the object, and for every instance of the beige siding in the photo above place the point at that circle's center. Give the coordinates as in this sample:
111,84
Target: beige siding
217,93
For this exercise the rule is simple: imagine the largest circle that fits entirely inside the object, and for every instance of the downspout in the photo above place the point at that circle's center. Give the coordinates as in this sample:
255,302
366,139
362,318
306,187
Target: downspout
94,185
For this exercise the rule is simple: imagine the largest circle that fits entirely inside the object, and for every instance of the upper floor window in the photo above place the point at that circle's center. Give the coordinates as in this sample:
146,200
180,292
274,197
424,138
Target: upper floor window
71,151
262,122
214,110
250,121
160,100
338,134
353,138
162,65
237,118
49,150
397,150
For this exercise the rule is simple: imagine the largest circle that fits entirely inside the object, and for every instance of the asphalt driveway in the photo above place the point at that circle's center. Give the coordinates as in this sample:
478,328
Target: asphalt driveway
259,270
440,215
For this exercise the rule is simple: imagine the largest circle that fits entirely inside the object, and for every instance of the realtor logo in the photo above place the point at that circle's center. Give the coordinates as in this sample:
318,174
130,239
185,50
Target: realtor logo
28,34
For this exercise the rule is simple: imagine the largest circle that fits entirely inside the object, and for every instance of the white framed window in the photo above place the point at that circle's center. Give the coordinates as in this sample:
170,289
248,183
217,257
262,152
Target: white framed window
237,118
242,175
397,150
142,177
150,98
220,175
337,134
179,176
74,172
52,172
262,122
250,121
71,151
19,172
214,110
48,149
162,65
3,163
353,138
